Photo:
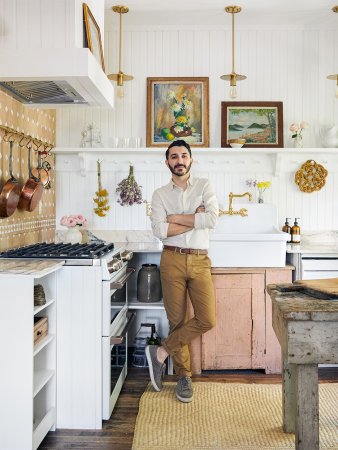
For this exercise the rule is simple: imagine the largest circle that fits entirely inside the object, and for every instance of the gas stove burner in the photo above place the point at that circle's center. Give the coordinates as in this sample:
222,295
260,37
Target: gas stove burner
93,250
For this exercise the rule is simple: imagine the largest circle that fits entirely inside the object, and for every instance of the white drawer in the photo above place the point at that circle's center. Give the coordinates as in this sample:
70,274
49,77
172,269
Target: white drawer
320,264
319,274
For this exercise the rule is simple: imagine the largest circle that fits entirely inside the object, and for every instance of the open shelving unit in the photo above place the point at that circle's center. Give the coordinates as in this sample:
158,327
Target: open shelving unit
28,387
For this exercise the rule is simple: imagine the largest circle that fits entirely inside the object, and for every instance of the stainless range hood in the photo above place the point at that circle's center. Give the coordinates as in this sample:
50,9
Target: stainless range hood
52,78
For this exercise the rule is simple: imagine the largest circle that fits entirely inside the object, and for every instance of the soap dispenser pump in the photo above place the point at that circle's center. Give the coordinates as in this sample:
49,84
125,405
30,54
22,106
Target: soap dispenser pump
287,229
295,232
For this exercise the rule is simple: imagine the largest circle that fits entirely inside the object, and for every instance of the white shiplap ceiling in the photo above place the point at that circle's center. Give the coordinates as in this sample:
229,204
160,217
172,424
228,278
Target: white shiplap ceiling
198,12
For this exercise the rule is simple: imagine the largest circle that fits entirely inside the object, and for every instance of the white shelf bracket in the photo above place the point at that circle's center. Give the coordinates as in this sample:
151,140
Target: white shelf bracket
278,164
83,164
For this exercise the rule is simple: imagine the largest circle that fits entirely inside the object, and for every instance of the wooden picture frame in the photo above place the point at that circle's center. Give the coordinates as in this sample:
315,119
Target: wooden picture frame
93,35
259,123
177,108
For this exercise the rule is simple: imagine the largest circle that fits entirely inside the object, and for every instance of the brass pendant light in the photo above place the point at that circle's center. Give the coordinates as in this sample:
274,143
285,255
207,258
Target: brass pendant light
233,77
334,76
120,77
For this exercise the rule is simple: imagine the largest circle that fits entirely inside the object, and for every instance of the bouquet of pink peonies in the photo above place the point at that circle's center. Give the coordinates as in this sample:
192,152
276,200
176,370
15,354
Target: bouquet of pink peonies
73,220
297,129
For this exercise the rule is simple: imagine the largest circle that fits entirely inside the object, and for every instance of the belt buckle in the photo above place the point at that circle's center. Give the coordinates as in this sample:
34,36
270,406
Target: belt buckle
182,253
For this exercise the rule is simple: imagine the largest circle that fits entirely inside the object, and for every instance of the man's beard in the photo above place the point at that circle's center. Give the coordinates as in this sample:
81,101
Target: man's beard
180,174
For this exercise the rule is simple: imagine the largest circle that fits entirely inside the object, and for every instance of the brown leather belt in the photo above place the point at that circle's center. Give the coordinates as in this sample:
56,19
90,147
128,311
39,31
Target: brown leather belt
187,251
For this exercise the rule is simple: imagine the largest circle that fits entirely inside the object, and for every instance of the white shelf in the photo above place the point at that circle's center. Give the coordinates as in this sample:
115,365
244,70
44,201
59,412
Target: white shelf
45,341
42,307
42,426
142,305
274,160
41,378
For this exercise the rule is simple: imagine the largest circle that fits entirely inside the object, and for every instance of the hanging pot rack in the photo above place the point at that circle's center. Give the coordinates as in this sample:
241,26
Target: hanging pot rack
26,140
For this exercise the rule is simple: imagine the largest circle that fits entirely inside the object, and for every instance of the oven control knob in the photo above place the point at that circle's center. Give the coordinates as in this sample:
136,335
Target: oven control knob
127,255
114,265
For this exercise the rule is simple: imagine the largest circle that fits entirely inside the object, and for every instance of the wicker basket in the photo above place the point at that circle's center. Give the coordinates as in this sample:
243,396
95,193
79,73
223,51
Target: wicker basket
39,295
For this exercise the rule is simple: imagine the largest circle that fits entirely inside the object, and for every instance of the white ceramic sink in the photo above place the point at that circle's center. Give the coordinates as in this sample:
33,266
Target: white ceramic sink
250,241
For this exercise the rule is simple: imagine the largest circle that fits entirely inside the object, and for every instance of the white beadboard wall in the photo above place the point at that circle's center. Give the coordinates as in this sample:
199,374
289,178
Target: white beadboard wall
281,63
227,169
50,24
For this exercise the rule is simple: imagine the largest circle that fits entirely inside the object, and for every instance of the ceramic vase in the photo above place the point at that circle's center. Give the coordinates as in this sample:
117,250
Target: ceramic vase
298,141
73,235
260,198
149,284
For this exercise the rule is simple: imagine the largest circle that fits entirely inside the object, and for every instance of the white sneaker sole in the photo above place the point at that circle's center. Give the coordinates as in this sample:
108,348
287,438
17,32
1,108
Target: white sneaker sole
184,399
151,371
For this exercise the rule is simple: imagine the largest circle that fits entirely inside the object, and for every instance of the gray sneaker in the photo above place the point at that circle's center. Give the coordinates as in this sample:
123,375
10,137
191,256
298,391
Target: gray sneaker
184,389
156,369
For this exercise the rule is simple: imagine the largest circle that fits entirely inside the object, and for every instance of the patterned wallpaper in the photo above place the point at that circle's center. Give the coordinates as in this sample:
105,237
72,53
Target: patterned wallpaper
23,228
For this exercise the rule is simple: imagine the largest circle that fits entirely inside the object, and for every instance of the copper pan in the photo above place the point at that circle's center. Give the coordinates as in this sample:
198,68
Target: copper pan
10,192
32,190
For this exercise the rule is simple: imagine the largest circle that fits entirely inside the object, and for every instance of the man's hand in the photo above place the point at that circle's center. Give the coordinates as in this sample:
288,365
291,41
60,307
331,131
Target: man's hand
200,209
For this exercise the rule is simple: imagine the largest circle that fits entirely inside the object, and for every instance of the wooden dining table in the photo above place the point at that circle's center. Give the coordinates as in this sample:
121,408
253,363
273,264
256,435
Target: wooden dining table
305,320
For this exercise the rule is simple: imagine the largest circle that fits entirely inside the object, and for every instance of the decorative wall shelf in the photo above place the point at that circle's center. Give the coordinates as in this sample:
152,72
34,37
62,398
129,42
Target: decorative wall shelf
219,159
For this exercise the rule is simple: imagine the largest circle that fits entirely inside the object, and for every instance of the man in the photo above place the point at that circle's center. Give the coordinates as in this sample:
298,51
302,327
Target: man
183,212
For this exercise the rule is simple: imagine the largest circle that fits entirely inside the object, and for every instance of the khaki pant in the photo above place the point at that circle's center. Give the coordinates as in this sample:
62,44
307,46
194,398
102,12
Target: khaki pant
182,273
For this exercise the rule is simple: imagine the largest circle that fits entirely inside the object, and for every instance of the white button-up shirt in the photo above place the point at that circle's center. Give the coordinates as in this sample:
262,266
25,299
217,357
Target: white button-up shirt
171,199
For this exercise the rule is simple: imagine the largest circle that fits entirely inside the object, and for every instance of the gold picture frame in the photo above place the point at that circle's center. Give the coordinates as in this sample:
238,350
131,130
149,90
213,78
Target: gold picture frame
177,108
93,35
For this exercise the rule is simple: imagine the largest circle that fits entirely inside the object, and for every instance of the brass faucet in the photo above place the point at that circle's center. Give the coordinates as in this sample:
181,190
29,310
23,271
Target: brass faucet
242,212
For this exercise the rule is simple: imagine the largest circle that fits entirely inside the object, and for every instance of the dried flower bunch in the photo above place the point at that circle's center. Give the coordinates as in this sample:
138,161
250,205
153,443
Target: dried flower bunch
101,198
129,191
73,220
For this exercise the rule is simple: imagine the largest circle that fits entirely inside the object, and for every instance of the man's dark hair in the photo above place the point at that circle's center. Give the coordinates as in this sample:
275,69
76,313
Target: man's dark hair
178,143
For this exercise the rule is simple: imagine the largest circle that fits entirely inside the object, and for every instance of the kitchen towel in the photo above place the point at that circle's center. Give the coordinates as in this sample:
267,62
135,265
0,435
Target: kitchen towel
226,416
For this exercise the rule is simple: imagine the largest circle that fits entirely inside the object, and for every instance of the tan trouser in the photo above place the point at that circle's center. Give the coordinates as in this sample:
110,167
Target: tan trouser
181,273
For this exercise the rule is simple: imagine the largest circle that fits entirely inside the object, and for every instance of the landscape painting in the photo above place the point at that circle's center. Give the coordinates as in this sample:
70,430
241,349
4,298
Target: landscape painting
177,108
259,123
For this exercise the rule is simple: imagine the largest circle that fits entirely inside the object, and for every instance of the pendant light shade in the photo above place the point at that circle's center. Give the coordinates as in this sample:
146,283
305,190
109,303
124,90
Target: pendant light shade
120,77
334,76
233,77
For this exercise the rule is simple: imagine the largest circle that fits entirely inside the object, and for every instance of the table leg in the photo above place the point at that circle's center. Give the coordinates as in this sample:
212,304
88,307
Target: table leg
307,419
289,397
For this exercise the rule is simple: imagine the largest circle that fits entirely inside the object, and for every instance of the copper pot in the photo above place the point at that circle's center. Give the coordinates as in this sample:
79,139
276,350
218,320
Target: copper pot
10,192
32,190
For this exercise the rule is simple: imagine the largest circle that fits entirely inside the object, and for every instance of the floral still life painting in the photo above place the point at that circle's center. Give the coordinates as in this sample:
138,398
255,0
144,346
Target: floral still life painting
259,123
177,109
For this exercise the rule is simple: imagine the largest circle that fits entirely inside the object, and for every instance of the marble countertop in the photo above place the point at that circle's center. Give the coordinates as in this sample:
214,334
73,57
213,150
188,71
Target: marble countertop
318,248
146,247
33,268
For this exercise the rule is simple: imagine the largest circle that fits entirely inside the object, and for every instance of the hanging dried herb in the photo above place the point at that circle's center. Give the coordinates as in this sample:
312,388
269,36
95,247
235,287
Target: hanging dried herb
129,191
101,198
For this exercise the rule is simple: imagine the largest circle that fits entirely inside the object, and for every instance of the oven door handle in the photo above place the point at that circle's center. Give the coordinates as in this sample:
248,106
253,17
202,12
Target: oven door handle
122,281
115,340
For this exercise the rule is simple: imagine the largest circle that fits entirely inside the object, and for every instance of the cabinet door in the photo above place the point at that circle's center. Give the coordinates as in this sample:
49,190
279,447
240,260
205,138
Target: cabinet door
229,345
273,350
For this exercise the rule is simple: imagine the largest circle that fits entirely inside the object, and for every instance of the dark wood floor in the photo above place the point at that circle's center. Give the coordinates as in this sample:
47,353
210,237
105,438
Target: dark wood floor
117,433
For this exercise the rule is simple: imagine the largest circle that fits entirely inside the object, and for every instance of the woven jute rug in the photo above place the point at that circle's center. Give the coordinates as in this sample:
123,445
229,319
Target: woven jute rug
228,416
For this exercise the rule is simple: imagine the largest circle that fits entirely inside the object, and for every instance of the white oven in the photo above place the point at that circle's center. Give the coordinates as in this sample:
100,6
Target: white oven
115,297
114,362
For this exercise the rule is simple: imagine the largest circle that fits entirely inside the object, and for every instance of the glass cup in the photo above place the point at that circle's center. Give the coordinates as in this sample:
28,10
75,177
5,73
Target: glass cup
135,142
115,142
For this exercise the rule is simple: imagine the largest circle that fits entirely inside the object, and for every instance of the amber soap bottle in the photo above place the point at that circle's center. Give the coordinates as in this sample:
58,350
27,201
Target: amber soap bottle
295,232
287,229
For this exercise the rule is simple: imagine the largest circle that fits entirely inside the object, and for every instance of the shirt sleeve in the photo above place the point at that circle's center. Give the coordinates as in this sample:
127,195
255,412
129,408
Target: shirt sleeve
159,222
209,218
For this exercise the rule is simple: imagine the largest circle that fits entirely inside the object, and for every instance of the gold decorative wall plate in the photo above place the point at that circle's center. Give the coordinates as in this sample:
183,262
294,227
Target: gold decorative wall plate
311,176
